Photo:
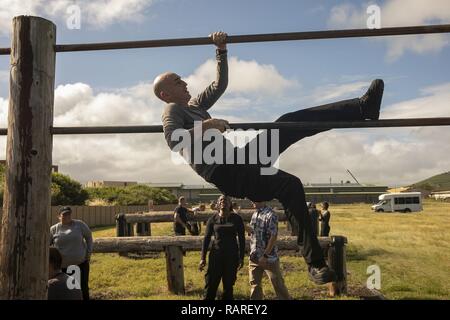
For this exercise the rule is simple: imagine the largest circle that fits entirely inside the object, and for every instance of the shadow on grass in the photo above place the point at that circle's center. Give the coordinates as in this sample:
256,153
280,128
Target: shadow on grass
360,254
101,228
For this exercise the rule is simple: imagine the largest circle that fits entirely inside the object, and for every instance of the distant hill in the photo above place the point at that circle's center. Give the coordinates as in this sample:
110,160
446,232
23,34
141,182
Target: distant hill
440,182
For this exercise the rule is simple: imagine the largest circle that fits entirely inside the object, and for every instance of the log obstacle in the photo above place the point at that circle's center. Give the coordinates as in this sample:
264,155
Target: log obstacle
125,221
173,247
143,221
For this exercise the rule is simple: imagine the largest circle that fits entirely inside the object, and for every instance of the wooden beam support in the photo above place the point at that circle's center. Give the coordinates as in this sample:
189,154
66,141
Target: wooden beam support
24,239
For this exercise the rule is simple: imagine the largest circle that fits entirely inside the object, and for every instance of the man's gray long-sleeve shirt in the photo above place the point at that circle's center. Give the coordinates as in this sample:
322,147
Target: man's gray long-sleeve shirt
177,116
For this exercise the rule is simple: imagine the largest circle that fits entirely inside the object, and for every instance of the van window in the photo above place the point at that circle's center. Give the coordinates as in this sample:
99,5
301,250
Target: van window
408,200
416,200
399,200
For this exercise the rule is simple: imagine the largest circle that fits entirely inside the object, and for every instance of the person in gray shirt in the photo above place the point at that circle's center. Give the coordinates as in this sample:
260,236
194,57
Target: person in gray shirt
73,239
183,116
60,285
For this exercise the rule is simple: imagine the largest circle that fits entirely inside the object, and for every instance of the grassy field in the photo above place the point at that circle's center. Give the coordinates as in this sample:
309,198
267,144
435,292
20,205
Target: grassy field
412,251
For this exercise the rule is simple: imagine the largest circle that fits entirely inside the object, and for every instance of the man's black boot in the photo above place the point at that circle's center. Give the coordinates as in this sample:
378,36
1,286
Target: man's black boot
321,273
371,101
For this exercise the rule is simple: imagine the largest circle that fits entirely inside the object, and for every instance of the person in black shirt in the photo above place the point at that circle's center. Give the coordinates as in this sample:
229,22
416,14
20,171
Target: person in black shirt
325,220
180,223
314,214
227,254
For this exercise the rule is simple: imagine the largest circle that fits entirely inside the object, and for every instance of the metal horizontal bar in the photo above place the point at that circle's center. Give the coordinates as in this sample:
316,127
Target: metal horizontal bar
384,123
307,35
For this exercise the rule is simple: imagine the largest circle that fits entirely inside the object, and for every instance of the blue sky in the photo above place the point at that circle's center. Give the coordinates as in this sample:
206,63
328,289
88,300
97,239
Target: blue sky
309,69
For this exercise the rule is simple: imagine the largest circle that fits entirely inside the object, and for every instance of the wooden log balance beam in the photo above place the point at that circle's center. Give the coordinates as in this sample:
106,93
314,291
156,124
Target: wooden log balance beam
167,216
333,247
125,222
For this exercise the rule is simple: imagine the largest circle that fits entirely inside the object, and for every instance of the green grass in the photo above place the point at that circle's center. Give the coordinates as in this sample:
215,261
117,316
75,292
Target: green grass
412,251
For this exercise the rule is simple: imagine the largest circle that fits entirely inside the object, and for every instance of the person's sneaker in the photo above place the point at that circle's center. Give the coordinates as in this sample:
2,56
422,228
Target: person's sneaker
321,275
371,100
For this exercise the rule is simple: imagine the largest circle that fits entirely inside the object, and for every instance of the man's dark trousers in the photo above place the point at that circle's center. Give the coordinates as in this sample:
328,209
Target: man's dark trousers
246,180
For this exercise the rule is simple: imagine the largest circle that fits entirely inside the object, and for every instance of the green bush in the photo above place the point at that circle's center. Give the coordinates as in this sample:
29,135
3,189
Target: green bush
66,191
131,195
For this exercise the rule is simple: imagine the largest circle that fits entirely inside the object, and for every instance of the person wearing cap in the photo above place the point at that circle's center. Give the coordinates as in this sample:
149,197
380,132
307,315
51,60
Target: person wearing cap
181,218
73,239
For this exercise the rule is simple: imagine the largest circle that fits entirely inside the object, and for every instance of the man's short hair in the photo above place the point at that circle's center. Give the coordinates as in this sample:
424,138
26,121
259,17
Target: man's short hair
181,199
55,258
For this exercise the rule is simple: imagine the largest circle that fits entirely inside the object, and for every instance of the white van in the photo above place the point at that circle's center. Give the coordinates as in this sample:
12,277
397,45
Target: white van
403,202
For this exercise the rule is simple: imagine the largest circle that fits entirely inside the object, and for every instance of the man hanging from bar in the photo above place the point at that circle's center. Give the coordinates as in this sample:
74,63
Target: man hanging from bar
247,180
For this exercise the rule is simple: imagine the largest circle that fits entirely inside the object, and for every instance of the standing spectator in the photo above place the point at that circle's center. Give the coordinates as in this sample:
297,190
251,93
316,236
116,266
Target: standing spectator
180,223
325,220
314,214
227,253
58,281
236,208
73,239
264,253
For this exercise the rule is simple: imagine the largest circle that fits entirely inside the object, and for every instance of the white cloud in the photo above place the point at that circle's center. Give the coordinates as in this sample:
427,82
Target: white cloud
244,77
4,104
335,92
347,16
94,13
396,13
251,87
373,157
433,103
76,104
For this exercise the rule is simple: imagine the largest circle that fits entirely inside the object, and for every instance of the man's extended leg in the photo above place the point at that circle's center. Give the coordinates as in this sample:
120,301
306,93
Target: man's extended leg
358,109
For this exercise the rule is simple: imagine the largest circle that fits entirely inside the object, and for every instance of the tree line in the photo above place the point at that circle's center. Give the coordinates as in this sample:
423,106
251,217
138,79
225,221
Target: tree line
68,191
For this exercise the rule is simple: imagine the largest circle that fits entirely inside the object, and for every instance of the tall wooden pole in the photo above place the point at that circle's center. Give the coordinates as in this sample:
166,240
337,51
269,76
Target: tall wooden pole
24,238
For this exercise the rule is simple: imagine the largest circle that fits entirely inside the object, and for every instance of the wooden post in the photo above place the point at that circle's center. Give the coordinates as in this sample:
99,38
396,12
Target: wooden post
130,229
143,229
337,262
175,269
121,225
24,238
